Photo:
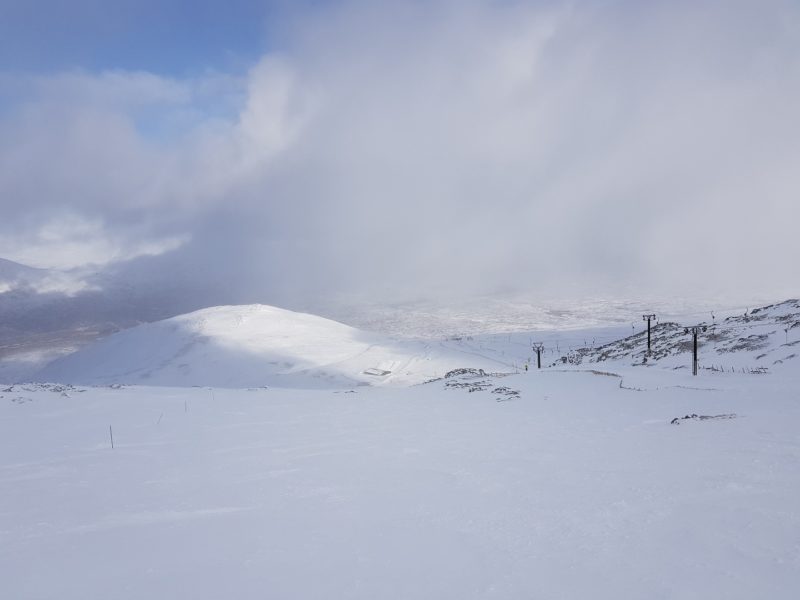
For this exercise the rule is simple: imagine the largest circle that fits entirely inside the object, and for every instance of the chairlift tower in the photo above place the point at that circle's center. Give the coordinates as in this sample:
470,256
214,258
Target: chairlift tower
538,347
648,318
695,331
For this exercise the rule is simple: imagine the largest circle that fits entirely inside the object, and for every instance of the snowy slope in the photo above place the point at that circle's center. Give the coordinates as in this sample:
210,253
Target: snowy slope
575,488
256,345
763,340
570,482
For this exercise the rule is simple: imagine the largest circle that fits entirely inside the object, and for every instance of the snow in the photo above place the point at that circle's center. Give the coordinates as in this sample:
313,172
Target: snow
762,340
569,482
256,345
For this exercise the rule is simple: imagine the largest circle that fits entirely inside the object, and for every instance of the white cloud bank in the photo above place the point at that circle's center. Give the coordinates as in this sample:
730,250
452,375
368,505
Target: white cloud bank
416,148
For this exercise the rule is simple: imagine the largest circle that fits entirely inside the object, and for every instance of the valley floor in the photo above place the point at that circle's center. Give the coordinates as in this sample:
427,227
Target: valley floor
575,488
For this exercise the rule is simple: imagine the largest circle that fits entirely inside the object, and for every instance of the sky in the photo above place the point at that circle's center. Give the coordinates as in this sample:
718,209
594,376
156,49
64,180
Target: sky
281,151
170,38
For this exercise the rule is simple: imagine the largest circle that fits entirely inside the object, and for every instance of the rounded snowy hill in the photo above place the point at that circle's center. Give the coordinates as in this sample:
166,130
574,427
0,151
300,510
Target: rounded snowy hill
255,345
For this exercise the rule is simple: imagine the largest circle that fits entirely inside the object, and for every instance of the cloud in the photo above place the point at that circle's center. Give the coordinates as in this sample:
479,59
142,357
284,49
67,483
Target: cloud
431,148
70,242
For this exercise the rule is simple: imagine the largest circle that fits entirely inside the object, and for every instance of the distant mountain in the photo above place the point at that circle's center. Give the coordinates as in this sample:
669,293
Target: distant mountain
16,277
11,271
48,313
255,345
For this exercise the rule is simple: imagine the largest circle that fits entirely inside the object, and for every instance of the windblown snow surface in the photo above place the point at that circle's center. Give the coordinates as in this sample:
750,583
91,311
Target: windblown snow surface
598,476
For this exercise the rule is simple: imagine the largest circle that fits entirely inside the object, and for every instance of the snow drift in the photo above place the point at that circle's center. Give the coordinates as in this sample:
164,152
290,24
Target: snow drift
255,345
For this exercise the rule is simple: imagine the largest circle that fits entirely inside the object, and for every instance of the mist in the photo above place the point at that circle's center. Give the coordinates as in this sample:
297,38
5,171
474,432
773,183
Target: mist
428,150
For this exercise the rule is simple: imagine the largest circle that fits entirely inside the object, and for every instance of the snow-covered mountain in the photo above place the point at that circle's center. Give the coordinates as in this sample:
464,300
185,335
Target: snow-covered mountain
21,278
534,483
256,345
759,340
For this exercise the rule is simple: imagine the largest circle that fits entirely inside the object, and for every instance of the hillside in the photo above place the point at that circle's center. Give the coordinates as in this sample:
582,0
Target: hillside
573,487
502,482
760,340
251,346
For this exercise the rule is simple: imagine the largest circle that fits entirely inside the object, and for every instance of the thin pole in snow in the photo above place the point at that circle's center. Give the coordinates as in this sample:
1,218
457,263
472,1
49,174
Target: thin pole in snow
111,433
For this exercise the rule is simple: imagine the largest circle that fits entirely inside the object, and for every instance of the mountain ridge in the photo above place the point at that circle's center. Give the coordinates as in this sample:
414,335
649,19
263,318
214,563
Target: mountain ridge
254,345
